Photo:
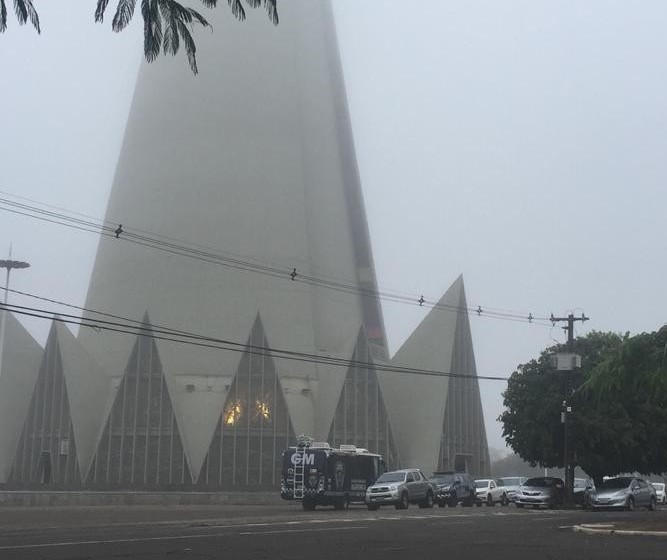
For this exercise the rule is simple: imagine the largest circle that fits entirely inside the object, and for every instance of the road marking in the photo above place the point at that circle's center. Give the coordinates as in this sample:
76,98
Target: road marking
302,531
111,541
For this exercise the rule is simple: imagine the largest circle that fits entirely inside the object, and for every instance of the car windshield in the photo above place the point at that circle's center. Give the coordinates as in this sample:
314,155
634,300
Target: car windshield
615,483
391,477
542,482
658,486
482,482
509,481
443,479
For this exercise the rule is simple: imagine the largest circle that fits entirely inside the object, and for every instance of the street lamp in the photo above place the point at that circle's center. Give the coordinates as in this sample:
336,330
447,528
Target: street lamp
8,265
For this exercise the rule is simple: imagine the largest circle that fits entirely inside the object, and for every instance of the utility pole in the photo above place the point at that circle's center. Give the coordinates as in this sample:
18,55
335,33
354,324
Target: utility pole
567,363
8,265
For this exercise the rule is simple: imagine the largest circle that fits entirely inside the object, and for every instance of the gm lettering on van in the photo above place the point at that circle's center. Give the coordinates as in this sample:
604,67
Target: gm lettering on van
307,460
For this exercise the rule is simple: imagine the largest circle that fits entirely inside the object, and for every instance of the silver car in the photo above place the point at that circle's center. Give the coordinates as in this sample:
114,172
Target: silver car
627,492
401,488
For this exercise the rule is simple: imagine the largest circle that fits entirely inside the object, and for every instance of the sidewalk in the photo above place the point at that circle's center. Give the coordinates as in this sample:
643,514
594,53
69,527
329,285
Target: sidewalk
130,498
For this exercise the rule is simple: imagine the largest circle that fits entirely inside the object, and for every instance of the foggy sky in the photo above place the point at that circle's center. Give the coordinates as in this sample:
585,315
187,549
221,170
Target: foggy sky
521,143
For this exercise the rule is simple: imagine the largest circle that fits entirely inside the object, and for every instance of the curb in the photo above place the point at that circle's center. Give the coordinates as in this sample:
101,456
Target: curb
603,529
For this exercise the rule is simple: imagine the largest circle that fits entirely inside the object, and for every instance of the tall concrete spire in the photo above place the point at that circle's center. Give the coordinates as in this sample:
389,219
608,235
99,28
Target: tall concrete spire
254,159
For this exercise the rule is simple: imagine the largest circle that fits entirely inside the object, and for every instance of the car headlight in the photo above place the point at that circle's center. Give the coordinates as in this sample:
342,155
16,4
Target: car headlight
393,487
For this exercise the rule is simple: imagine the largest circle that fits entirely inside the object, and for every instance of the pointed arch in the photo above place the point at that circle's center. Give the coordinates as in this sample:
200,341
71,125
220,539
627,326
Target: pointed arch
141,444
254,427
46,451
361,417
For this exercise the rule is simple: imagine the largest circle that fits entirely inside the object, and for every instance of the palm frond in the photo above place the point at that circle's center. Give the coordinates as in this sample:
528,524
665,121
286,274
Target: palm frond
123,16
152,29
21,11
237,9
272,9
24,11
100,9
3,16
210,3
190,47
270,5
32,14
196,16
170,40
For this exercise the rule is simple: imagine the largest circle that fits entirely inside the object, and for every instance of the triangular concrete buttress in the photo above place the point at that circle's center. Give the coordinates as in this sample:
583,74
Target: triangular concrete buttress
47,449
255,425
141,445
416,403
20,368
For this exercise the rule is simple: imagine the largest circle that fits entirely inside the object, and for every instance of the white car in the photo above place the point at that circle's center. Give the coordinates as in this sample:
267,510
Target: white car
490,493
660,492
510,484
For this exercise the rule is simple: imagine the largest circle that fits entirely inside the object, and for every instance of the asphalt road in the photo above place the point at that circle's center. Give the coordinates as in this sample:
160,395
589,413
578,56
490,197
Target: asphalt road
284,531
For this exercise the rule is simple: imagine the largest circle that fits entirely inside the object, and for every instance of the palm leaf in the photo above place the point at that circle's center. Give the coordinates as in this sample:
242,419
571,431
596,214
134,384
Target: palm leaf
272,9
99,11
152,29
170,40
24,11
196,16
190,47
3,16
237,9
124,13
21,11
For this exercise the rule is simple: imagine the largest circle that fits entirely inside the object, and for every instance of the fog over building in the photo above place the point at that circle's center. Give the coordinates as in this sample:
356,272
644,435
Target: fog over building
225,184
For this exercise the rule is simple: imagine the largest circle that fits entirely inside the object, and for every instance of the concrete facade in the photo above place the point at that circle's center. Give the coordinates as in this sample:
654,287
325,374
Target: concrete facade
225,184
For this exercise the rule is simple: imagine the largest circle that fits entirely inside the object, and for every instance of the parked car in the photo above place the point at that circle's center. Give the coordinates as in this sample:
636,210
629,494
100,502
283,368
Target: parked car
546,491
582,490
625,492
510,485
452,488
401,488
489,493
659,492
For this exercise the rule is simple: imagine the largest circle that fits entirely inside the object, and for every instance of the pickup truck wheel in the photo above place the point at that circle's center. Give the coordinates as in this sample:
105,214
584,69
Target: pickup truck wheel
630,504
403,502
428,501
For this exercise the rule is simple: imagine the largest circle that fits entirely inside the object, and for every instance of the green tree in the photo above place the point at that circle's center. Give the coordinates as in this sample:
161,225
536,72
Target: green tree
167,23
619,402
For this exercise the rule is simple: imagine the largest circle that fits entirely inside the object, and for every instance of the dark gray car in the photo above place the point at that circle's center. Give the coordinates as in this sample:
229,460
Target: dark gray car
540,491
627,492
453,488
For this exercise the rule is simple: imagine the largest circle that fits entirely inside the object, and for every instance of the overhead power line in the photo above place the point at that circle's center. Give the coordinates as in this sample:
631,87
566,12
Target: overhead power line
137,328
203,254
